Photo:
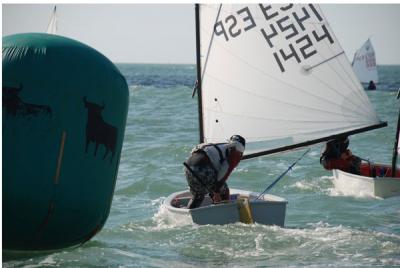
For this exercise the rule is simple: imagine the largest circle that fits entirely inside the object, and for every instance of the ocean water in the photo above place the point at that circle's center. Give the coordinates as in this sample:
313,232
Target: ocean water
325,227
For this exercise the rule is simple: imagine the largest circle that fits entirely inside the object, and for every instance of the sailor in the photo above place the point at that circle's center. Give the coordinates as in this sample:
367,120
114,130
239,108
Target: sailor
209,166
336,155
371,85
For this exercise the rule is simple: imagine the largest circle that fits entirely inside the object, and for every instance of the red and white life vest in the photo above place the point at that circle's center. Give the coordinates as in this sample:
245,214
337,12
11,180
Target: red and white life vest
218,155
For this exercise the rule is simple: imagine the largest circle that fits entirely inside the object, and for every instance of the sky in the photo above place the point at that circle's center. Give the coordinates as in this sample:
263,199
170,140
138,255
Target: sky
165,33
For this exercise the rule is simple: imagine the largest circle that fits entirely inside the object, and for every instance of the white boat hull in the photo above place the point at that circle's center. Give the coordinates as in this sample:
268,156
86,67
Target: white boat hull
382,187
269,210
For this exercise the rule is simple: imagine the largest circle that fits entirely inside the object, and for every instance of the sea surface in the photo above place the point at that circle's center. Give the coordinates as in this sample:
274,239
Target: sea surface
325,226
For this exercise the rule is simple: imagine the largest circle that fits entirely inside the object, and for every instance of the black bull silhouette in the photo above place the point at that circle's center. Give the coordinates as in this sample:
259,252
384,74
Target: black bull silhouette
14,105
99,131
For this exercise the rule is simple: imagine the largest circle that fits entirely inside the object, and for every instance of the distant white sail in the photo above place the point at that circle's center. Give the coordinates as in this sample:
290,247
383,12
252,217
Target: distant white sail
277,75
52,27
364,63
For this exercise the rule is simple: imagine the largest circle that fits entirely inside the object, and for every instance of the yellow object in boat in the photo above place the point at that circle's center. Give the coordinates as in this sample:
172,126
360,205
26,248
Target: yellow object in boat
245,215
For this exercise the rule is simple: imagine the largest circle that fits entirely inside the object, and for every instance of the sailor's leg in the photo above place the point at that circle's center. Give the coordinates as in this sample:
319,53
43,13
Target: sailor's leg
196,201
196,189
224,192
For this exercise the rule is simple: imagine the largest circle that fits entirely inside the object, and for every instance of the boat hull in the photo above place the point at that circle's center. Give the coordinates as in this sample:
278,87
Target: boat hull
269,210
382,187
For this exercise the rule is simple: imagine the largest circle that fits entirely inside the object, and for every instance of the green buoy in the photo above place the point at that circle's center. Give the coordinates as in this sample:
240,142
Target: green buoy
64,114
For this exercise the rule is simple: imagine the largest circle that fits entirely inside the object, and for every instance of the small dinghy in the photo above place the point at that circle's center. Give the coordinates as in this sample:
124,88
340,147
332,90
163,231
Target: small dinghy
243,206
281,82
364,66
378,181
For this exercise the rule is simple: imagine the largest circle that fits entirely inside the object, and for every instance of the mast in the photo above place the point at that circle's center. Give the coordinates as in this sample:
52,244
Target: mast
396,143
198,62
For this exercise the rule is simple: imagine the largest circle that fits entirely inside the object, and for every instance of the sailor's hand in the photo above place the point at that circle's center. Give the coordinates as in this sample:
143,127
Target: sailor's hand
216,197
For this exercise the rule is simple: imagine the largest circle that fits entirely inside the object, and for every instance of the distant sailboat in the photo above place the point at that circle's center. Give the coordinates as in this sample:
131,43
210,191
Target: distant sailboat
364,65
277,75
52,27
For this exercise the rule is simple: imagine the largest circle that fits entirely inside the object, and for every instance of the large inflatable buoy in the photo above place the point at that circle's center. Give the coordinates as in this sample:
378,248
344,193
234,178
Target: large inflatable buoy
64,114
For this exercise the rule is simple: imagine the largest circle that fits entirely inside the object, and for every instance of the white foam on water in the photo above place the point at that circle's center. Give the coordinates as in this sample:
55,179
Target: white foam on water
134,87
150,261
258,241
318,239
315,184
333,187
48,261
303,185
165,219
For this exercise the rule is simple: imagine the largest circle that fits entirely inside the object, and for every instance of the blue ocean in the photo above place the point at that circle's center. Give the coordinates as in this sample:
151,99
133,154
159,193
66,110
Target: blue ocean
324,227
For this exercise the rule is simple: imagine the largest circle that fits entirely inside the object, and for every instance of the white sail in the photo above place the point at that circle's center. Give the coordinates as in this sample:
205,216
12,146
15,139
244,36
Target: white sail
52,27
277,75
364,63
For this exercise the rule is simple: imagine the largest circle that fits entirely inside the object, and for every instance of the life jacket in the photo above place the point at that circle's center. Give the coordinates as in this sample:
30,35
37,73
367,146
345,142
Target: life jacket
218,155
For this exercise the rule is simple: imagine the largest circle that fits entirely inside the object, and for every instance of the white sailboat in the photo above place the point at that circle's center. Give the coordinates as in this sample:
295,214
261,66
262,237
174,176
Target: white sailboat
377,180
52,26
276,75
364,64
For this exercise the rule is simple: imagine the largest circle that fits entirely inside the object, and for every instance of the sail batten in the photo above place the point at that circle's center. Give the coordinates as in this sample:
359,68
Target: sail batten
277,75
350,109
322,62
320,122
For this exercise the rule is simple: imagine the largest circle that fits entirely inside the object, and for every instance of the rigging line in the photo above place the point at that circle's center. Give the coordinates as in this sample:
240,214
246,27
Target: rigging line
277,79
326,60
210,44
283,174
357,85
351,112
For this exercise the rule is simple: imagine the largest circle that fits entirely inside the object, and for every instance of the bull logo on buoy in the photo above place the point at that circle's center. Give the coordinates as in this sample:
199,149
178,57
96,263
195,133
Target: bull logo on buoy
14,105
98,131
